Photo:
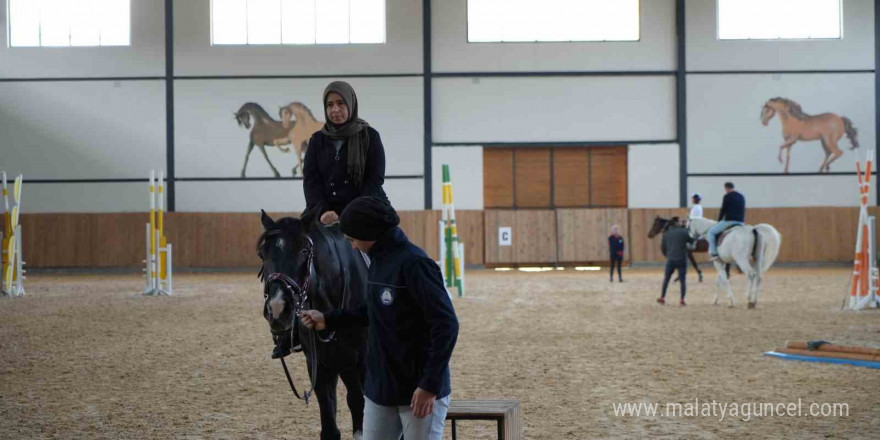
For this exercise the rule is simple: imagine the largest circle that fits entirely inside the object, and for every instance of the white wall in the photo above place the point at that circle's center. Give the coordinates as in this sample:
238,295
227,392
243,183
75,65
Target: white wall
194,55
705,52
725,134
82,129
466,172
450,51
84,197
535,109
653,176
783,191
145,56
209,143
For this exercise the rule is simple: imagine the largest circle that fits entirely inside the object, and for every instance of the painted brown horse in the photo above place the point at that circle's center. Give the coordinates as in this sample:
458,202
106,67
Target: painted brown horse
799,126
266,132
306,126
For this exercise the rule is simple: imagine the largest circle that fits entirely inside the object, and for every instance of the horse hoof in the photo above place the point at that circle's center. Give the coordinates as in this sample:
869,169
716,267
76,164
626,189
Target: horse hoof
751,305
358,435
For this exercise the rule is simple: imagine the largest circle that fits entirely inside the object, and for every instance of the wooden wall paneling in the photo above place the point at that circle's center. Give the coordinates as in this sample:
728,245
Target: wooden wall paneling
422,229
534,236
532,175
470,232
583,233
571,177
608,176
498,178
495,254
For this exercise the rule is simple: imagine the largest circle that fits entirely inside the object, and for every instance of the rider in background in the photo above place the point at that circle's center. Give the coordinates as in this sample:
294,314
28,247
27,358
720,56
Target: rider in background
697,209
615,247
733,212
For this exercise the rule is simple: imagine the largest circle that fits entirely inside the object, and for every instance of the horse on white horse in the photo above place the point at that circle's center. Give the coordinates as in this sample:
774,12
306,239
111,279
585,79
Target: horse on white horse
752,248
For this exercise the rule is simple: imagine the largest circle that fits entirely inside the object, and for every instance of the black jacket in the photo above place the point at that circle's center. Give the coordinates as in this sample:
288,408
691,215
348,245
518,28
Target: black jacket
615,246
326,181
674,244
733,207
413,327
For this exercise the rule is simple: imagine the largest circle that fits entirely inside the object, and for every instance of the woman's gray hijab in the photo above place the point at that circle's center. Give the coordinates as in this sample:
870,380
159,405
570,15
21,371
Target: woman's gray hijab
354,130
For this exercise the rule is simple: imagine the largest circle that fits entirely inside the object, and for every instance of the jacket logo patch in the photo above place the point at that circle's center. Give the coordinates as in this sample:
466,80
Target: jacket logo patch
387,297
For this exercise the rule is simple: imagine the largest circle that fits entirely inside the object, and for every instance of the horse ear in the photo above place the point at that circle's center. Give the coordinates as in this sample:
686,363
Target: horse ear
267,221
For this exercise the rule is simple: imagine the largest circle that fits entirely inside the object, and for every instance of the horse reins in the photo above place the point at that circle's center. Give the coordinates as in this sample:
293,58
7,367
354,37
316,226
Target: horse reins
291,286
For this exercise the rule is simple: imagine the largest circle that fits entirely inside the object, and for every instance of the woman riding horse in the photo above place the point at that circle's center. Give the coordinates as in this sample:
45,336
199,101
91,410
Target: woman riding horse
344,161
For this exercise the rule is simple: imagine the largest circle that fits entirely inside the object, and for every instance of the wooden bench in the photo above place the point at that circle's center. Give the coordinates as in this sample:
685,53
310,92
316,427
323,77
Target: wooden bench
505,412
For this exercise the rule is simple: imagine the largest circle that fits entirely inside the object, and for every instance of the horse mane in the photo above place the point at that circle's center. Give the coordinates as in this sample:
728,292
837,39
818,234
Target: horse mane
794,108
304,107
257,109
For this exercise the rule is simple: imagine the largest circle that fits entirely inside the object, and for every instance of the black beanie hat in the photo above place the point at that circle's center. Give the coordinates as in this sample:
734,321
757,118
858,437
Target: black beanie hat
367,218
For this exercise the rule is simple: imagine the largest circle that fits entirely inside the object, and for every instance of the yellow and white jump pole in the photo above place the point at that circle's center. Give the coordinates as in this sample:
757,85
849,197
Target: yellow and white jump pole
158,263
12,269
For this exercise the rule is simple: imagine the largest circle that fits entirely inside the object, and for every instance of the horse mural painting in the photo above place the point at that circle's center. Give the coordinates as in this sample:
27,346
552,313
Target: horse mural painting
799,126
306,126
310,266
752,248
266,132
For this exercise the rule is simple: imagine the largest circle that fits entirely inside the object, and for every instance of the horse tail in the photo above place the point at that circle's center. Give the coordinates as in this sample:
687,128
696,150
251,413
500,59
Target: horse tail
851,132
767,243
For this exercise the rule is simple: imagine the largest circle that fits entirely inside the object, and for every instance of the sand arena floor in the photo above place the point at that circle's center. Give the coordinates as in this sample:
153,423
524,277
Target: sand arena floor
84,356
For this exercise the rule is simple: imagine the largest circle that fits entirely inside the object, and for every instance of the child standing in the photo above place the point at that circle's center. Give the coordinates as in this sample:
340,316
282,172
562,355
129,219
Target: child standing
616,246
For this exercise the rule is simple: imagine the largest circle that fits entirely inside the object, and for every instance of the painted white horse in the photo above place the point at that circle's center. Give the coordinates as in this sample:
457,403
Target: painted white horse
752,248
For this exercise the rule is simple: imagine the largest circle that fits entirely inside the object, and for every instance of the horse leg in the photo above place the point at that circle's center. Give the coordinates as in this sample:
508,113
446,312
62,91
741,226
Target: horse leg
787,156
299,158
246,156
835,154
266,156
696,266
725,281
719,281
827,154
325,391
354,385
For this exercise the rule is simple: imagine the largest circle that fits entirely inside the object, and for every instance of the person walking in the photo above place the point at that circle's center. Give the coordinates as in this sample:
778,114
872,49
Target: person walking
674,247
412,327
616,247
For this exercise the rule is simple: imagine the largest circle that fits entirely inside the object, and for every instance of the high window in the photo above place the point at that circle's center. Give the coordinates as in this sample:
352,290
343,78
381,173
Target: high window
62,23
240,22
779,19
552,20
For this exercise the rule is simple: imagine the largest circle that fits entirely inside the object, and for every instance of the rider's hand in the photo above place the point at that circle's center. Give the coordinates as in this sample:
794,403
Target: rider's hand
422,403
313,319
329,217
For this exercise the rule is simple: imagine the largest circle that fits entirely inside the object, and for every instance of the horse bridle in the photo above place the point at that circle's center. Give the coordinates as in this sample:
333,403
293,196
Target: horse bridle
291,286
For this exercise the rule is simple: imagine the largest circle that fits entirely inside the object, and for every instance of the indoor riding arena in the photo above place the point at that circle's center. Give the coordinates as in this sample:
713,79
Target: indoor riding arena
527,148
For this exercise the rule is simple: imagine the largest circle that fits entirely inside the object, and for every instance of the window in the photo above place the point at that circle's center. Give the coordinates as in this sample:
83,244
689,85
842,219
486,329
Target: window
238,22
552,20
778,19
64,23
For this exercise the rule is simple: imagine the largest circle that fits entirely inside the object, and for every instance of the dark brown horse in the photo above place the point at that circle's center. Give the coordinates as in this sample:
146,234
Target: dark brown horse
265,132
662,224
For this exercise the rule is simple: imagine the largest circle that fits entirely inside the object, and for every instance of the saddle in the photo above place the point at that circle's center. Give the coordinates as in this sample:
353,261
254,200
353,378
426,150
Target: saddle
724,234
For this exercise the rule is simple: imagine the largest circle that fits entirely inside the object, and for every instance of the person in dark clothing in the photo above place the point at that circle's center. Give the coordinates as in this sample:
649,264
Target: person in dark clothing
615,246
733,212
344,160
674,247
412,327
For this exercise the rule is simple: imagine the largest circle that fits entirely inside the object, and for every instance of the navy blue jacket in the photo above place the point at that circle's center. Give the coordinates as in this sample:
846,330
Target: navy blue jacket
733,207
615,245
325,173
412,325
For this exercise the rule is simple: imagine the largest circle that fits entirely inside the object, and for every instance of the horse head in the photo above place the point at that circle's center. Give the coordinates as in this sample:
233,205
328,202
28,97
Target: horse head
287,255
767,112
660,225
243,118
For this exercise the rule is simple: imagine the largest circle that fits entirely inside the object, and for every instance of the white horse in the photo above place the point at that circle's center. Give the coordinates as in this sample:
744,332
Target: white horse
752,248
